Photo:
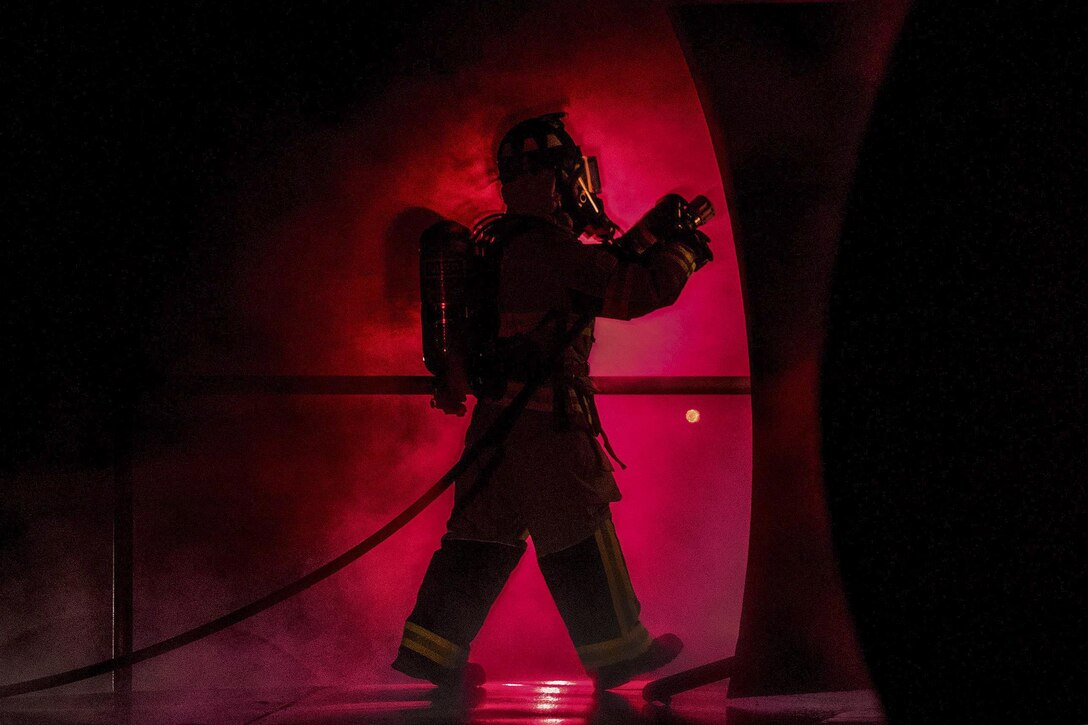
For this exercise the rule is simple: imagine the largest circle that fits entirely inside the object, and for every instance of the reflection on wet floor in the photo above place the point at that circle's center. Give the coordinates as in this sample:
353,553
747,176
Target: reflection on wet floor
551,702
548,702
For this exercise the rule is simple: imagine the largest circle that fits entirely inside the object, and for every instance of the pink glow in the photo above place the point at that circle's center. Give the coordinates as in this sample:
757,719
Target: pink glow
327,290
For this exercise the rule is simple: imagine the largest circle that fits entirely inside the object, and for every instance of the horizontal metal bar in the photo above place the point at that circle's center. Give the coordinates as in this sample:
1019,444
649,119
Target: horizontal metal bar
673,385
421,384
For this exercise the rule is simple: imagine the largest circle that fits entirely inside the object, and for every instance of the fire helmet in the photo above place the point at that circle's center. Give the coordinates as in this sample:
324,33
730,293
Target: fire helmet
535,144
540,143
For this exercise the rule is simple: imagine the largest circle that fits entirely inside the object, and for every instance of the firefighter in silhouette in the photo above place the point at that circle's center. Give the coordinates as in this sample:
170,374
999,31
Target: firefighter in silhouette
498,303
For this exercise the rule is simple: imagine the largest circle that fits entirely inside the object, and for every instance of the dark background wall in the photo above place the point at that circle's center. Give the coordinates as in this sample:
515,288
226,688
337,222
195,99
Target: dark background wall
953,382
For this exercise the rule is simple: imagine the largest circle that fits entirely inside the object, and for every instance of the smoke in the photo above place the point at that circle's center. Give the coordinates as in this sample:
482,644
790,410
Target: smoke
246,493
54,621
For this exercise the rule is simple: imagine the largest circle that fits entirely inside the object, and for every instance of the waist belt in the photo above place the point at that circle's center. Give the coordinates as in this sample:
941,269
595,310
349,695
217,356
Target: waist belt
568,402
543,399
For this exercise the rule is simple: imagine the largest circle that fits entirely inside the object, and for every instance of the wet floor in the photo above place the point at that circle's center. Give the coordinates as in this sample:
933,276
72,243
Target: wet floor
552,702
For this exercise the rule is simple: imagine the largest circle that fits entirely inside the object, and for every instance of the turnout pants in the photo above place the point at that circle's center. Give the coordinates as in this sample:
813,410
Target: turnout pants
588,581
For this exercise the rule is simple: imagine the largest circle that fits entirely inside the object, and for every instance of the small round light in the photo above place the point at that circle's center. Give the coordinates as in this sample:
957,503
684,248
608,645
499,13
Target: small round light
692,416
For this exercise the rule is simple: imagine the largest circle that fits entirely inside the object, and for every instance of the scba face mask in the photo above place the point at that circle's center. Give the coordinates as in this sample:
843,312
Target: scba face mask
580,189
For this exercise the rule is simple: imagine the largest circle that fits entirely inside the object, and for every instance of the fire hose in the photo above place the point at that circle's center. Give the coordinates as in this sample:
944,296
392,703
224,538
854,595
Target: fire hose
494,437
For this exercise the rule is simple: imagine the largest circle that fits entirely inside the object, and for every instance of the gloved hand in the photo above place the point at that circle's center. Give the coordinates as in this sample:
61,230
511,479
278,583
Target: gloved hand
671,217
673,214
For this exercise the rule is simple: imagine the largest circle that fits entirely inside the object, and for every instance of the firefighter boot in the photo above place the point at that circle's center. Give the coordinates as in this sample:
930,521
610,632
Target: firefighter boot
662,651
469,676
461,584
